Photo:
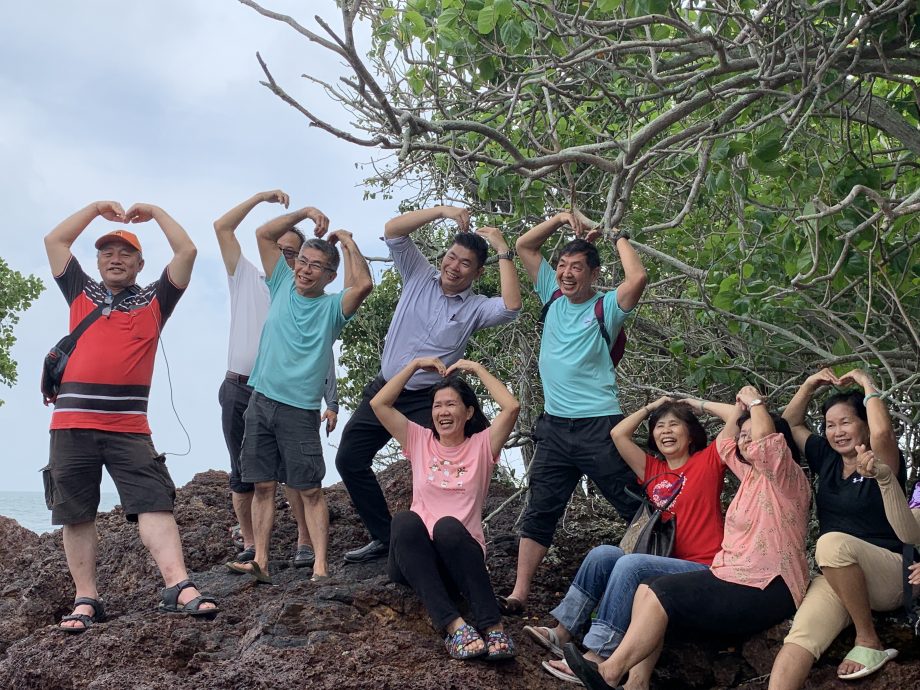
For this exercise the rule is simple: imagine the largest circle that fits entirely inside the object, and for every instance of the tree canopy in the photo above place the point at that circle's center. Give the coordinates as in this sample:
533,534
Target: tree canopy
17,292
764,156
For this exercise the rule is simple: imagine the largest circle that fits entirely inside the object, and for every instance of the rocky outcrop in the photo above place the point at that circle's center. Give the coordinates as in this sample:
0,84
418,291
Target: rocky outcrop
355,630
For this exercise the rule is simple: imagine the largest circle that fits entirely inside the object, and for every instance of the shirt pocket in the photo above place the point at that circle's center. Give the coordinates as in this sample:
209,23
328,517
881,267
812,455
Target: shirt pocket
449,337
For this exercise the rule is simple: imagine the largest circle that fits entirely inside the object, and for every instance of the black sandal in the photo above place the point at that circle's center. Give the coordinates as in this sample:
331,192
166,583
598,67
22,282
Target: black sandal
98,615
169,601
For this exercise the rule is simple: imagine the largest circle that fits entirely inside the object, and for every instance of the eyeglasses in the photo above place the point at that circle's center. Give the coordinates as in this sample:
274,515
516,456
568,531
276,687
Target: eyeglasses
288,252
107,310
312,265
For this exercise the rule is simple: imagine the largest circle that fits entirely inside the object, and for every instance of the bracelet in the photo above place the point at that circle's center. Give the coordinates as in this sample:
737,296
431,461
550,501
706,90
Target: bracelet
872,395
509,255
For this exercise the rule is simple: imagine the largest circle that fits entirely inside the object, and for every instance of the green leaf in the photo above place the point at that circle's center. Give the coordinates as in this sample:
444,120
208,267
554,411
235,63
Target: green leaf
511,34
768,150
417,22
503,8
659,6
676,346
608,5
485,23
388,13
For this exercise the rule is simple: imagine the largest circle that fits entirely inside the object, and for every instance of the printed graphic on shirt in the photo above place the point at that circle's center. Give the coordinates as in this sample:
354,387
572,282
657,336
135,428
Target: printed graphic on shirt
447,475
664,487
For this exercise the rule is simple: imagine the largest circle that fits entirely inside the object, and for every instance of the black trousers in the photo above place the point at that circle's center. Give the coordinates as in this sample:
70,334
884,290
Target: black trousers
450,562
363,436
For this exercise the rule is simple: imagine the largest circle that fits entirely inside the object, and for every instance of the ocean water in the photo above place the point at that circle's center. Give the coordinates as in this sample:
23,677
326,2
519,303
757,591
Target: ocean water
29,510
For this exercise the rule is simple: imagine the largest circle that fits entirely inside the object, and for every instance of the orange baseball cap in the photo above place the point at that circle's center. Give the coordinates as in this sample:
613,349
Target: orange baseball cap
119,236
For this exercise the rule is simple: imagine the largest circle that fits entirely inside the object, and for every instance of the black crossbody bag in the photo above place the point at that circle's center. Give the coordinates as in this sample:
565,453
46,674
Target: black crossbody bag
56,360
647,533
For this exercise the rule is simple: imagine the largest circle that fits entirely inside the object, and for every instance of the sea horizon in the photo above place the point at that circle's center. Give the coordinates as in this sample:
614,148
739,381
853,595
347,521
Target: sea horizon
29,510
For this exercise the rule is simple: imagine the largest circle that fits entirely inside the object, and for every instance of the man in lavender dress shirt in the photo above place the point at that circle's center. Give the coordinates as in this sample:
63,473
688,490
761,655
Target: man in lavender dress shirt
435,317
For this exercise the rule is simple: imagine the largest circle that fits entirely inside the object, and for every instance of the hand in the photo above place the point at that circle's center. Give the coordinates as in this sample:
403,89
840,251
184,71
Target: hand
858,377
746,395
331,418
340,235
494,237
319,219
276,196
431,364
573,220
110,210
914,578
459,215
658,403
464,365
825,377
865,462
140,213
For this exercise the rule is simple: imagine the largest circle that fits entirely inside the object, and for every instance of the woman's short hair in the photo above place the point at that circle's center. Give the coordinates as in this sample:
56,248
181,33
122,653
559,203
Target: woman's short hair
478,422
698,438
782,426
853,398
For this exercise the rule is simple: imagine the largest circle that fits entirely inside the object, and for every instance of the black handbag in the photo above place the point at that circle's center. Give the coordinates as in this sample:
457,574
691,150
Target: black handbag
647,532
56,360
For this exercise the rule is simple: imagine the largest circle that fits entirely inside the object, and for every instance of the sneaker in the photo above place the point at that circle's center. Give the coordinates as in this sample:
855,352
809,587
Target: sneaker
368,552
245,555
304,556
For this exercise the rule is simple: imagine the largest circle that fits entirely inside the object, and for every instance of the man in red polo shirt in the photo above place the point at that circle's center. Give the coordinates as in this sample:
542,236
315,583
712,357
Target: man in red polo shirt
100,414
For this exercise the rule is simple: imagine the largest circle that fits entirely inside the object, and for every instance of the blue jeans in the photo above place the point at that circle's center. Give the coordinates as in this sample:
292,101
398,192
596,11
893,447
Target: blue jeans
607,581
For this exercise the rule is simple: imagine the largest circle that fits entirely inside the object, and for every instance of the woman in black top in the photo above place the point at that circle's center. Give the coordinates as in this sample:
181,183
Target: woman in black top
858,551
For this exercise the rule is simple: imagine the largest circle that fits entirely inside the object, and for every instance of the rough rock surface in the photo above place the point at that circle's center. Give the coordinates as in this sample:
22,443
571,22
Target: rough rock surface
355,630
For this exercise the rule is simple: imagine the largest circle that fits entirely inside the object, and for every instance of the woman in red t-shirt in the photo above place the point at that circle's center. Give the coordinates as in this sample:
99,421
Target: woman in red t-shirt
437,546
678,459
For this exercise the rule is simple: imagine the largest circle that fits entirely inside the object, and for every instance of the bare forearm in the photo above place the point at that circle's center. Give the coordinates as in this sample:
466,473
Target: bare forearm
68,230
407,223
178,238
231,220
533,239
498,390
797,408
723,411
386,396
511,286
273,230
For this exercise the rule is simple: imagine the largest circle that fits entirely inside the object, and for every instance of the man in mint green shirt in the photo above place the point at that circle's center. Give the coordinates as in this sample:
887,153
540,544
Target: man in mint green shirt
281,441
579,386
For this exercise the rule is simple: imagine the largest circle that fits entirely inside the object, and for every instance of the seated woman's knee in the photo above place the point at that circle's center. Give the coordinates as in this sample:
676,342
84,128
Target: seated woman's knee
449,530
836,550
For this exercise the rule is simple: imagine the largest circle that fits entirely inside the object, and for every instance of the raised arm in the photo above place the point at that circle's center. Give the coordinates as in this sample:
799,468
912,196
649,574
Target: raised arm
882,440
407,223
225,226
267,235
622,435
528,245
904,521
797,408
358,281
511,287
508,405
728,413
60,239
634,277
383,403
184,251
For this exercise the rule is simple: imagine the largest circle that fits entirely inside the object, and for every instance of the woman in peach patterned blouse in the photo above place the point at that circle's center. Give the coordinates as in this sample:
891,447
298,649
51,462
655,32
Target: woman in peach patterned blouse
758,578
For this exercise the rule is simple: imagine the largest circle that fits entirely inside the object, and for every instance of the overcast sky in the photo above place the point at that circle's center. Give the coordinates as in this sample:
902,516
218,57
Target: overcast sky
158,102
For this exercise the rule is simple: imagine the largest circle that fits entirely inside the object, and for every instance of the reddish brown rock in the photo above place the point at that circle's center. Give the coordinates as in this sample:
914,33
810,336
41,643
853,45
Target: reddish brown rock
355,630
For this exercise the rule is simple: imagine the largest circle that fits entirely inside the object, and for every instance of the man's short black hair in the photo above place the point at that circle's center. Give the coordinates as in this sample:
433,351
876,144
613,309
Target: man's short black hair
297,231
580,246
475,243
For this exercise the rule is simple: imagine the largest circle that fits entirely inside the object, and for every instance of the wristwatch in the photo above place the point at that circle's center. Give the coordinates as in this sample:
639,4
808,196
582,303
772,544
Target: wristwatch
755,402
621,235
510,254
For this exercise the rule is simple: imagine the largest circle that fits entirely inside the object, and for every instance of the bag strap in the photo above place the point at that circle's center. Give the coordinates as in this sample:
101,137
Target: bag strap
97,312
646,484
908,556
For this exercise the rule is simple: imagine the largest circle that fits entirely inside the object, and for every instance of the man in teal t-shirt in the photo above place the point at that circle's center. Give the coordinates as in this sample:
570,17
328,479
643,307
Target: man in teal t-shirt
281,441
579,387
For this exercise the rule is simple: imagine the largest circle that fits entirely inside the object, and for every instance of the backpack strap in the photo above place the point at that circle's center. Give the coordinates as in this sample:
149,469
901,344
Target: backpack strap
912,618
557,293
618,347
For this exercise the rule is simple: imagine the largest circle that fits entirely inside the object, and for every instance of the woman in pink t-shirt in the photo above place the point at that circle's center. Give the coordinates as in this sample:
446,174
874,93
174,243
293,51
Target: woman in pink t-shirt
759,576
437,546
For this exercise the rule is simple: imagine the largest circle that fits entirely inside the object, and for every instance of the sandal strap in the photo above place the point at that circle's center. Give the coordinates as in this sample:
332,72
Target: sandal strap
88,601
